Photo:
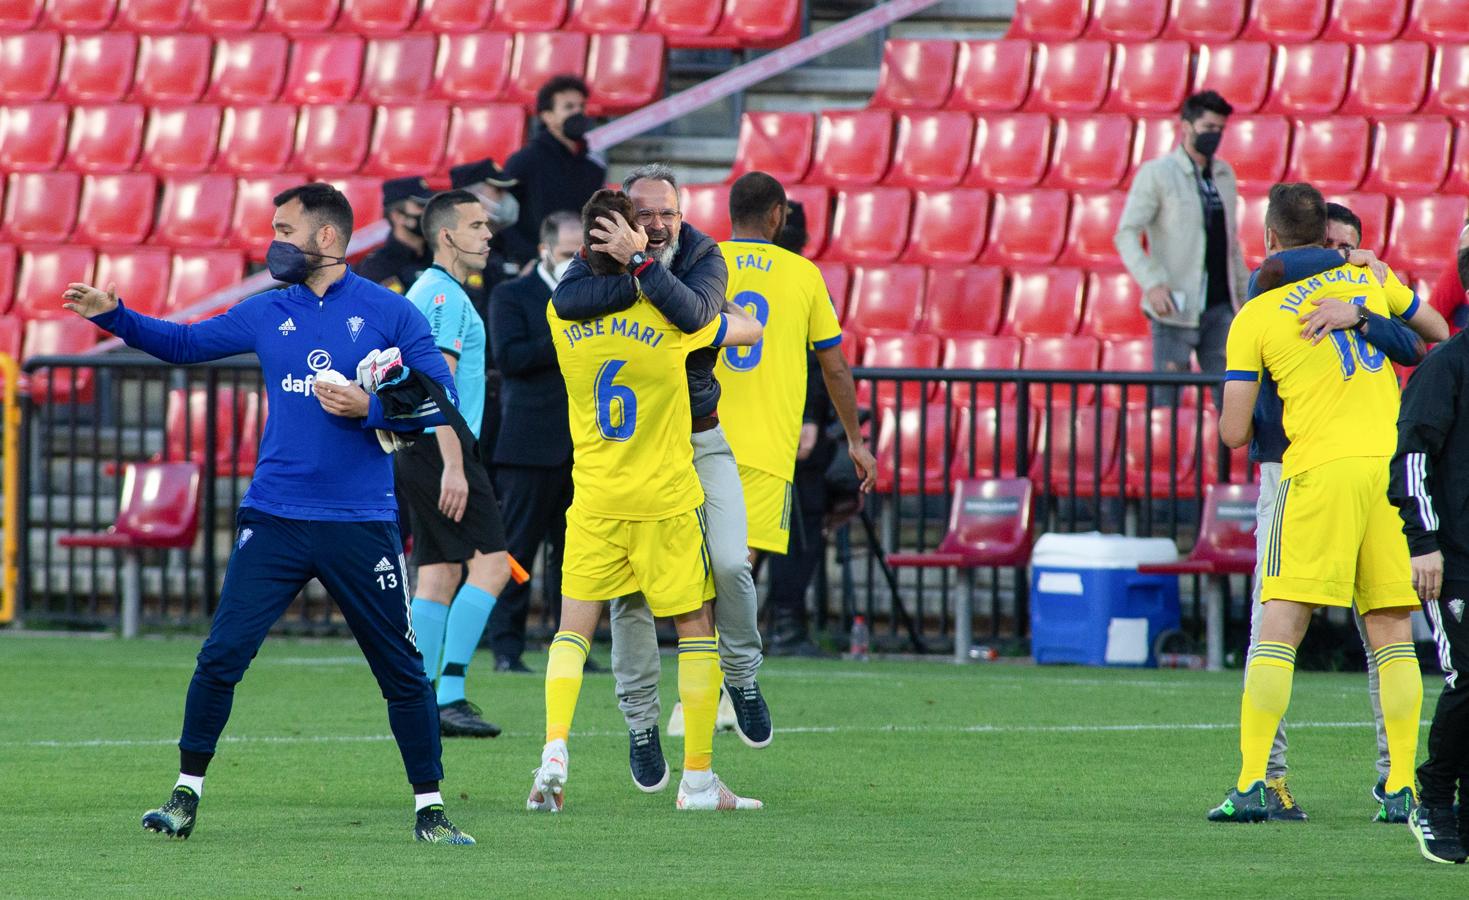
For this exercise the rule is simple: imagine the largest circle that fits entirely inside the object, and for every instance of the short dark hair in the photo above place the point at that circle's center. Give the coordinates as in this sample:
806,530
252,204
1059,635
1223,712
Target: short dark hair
546,96
602,205
1335,212
441,212
1297,214
1464,267
1205,101
753,196
323,204
551,225
794,236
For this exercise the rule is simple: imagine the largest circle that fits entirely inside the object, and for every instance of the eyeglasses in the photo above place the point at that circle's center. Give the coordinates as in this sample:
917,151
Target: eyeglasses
645,217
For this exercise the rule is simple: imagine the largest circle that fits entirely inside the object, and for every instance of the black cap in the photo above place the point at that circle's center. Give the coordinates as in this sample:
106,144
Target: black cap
396,190
475,172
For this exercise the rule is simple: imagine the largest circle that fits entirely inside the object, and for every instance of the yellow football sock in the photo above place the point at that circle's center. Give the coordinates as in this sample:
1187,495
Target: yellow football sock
1400,683
1267,695
698,690
563,682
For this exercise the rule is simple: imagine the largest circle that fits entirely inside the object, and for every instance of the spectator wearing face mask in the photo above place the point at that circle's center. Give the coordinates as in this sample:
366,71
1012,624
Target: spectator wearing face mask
493,187
555,171
403,256
532,454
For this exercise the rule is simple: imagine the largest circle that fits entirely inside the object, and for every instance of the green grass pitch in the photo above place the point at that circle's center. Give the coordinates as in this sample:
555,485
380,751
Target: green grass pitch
885,779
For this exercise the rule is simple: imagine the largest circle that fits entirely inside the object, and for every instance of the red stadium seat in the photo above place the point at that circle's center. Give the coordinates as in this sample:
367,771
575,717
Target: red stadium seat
1124,21
376,17
758,23
256,138
105,138
172,68
40,207
1310,79
915,74
44,274
225,16
1388,79
152,16
870,225
248,68
1295,22
1240,70
20,15
1043,302
333,139
198,274
1091,152
181,139
1409,155
913,450
1149,78
1070,78
529,15
1251,218
1010,150
478,132
472,66
61,337
250,225
885,299
1162,450
365,194
1205,21
32,137
323,70
1438,22
97,68
1155,136
12,331
1077,449
1114,307
186,429
982,352
1026,228
1048,20
195,212
1258,149
7,293
1458,180
776,143
932,149
1424,231
607,16
1330,153
986,444
1365,21
706,207
141,276
537,58
817,202
407,140
1093,223
1130,355
625,72
454,16
116,210
301,16
1066,353
989,527
898,351
991,76
28,66
399,70
964,300
838,279
78,16
682,22
1372,210
852,147
1448,86
948,226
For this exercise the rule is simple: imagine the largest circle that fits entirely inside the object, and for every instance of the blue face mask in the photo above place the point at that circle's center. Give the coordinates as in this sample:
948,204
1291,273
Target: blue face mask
288,263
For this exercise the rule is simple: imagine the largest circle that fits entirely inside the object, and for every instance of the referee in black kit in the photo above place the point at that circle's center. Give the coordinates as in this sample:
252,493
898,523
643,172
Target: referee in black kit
1433,499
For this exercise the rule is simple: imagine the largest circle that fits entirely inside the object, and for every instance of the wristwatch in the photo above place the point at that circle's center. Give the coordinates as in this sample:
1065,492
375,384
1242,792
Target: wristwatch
1361,320
637,261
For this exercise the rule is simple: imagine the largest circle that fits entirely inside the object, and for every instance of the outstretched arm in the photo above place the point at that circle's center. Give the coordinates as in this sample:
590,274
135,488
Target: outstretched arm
214,338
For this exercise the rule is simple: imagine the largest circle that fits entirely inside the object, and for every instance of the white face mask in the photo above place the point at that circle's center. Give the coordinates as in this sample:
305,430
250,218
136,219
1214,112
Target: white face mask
556,270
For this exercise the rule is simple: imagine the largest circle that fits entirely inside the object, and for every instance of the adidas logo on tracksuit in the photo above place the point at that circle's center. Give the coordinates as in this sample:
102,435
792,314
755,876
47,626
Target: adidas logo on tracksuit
383,565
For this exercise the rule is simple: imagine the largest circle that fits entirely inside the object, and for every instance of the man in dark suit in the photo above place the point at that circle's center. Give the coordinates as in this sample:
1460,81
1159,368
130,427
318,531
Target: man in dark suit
532,456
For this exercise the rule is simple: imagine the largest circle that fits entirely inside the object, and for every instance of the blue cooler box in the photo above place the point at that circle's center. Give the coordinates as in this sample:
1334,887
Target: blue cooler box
1089,605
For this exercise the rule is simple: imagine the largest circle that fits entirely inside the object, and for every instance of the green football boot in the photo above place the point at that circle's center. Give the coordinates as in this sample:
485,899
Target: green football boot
1246,806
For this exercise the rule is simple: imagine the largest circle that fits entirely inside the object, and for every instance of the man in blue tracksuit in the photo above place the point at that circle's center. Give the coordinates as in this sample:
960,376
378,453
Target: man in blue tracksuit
321,504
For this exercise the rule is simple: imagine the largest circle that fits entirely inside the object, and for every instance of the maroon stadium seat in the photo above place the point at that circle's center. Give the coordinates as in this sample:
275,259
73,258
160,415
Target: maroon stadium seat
885,299
989,526
399,69
932,149
1448,86
1026,228
1424,230
1043,302
898,351
473,66
20,15
249,226
706,207
607,16
1409,155
1294,22
33,136
225,16
920,440
152,16
948,226
1309,79
116,210
1251,219
79,15
852,147
776,143
1068,458
964,300
1330,153
493,131
986,444
1388,79
248,68
1240,70
44,274
181,139
1372,210
1048,20
333,139
1091,152
982,352
40,207
197,274
1010,150
1458,180
407,140
915,74
682,22
1155,136
172,68
537,58
1149,78
323,70
1093,223
301,16
454,16
991,76
1070,78
365,194
870,225
1063,353
1365,21
1127,355
141,276
529,15
1114,307
376,17
1258,149
817,202
105,138
97,68
1205,21
256,138
61,337
28,66
1438,22
838,280
624,71
1125,21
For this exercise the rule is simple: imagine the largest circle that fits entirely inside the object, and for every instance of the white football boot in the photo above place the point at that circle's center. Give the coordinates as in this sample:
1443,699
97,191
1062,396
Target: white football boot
709,793
547,791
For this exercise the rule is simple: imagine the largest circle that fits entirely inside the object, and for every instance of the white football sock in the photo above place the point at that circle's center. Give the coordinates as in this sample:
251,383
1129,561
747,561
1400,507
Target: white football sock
429,799
194,783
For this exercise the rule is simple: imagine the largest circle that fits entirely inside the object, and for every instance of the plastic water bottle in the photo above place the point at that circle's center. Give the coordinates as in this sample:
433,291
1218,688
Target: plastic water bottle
984,653
861,638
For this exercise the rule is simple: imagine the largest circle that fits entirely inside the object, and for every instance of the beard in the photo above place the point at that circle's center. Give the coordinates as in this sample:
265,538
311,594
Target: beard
666,255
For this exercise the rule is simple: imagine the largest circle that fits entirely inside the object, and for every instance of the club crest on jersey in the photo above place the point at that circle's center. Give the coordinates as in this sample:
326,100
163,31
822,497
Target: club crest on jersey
245,535
286,327
439,299
1456,606
354,327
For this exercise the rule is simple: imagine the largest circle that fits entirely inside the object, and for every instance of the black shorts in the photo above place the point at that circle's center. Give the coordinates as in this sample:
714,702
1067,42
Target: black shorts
436,537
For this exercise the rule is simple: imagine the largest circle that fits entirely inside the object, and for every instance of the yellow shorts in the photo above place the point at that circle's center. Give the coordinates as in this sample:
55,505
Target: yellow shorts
665,559
767,509
1336,537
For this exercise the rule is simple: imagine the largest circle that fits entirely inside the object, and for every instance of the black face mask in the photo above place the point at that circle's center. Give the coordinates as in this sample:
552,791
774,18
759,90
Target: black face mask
1207,142
414,225
576,127
288,263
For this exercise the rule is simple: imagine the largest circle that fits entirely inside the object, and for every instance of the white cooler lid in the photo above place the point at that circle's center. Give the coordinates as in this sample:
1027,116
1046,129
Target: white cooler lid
1094,550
